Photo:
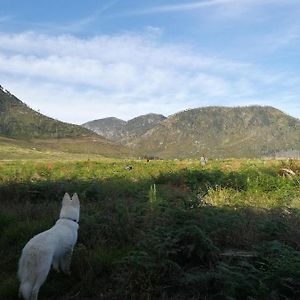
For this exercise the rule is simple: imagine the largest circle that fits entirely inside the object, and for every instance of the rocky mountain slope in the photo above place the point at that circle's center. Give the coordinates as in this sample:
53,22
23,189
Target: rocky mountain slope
218,132
222,132
111,128
122,131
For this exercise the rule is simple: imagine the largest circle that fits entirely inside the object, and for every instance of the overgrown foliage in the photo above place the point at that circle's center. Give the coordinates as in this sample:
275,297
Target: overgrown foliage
160,230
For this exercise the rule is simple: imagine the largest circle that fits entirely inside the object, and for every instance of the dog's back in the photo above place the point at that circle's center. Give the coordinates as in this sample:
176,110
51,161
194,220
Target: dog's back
44,249
34,266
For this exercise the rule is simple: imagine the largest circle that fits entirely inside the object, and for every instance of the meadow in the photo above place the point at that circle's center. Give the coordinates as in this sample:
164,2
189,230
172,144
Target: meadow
159,229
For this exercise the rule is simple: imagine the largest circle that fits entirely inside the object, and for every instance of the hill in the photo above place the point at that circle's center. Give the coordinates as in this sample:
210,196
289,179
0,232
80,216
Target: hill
253,131
122,131
217,132
24,130
19,121
111,128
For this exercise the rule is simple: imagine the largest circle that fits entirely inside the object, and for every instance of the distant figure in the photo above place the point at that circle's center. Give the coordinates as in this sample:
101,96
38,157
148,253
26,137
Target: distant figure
51,247
203,161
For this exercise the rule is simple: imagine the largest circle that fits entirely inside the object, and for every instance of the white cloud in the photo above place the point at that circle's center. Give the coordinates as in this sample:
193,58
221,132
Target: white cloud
78,80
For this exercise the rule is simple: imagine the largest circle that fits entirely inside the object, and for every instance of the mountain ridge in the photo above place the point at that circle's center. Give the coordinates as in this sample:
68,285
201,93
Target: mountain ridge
123,131
219,131
22,126
215,131
18,120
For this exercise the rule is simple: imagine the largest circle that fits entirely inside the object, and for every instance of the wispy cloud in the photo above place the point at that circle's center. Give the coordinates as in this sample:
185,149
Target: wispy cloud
202,5
81,24
70,27
281,40
182,7
127,75
6,18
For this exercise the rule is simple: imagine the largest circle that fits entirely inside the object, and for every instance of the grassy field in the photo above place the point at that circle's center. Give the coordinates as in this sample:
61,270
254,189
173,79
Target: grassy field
159,229
59,149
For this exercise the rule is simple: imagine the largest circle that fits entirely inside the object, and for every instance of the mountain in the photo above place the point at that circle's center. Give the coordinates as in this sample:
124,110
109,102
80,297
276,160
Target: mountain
19,121
111,128
122,131
253,131
22,127
215,132
142,124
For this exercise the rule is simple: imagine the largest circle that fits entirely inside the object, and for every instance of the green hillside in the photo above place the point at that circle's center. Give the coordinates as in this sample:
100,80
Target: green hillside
25,133
19,121
253,131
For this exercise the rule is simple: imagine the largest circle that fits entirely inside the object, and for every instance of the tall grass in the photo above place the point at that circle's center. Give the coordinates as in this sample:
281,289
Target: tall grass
159,230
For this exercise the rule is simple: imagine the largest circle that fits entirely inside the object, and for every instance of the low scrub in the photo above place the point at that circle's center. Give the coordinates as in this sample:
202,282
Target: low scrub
159,230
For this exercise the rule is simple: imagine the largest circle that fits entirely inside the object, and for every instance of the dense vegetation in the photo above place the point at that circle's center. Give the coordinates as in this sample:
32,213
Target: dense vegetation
160,229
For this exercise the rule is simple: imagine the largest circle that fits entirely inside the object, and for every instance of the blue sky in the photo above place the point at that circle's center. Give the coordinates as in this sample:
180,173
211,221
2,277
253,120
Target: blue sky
83,60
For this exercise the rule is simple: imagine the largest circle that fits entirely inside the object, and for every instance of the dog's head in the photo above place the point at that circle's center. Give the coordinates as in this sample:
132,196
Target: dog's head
70,207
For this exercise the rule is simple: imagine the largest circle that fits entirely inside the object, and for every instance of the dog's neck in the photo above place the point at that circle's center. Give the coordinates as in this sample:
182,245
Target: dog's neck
69,219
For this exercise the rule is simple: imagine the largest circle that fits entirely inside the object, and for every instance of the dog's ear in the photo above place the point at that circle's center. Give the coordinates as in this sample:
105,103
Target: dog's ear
75,200
66,199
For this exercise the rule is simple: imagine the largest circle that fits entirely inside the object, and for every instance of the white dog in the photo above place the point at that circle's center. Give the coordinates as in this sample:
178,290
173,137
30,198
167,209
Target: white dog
52,247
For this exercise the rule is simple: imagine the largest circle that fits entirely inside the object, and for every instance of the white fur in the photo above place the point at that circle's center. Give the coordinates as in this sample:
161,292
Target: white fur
52,247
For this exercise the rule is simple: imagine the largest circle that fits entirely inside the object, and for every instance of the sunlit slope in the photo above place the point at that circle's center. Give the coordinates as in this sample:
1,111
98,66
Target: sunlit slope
221,132
22,127
20,121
